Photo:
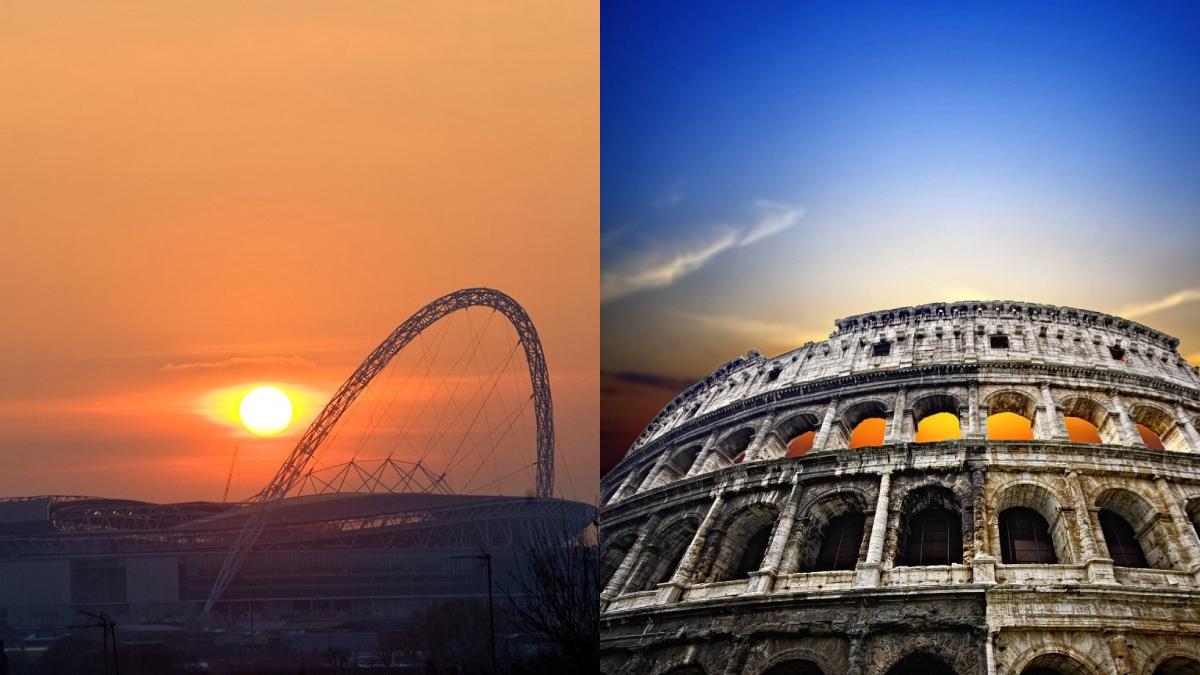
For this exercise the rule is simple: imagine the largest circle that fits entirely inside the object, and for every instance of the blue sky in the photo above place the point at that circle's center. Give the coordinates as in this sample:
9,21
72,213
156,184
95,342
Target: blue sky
768,167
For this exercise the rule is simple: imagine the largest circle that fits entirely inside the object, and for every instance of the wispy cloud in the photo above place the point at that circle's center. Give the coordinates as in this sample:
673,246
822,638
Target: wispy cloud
1167,302
663,269
769,332
240,361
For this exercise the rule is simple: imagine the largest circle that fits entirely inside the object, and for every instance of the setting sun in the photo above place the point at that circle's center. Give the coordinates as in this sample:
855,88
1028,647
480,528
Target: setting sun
265,411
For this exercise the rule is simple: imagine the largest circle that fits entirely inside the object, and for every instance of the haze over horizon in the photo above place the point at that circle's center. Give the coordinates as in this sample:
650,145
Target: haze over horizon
210,196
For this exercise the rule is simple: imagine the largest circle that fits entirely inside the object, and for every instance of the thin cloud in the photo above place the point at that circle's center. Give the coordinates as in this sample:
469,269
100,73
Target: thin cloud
1173,300
663,270
769,332
240,361
775,218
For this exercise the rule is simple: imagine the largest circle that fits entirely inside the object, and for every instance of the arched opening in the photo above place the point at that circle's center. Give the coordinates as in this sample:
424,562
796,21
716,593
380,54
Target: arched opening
1193,513
868,433
1055,664
1041,501
793,437
931,532
683,460
1121,539
938,427
1178,665
1011,416
800,445
1080,430
753,554
1133,530
936,418
795,667
1008,426
1151,439
861,425
832,537
840,543
1025,537
686,670
1158,429
734,445
662,555
614,554
1088,421
740,551
921,664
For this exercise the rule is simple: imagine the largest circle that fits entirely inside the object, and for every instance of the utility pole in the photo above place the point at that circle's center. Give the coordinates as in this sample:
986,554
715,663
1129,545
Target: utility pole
110,633
487,559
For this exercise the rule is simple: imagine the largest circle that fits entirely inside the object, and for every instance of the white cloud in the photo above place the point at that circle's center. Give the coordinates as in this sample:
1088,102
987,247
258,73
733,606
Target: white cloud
775,218
1167,302
769,332
658,271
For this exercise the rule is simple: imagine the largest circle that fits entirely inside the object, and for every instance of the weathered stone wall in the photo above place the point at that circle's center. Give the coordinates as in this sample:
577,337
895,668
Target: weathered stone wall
710,477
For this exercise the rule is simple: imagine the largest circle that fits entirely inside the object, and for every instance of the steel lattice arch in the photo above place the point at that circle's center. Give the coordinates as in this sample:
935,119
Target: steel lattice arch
368,541
784,514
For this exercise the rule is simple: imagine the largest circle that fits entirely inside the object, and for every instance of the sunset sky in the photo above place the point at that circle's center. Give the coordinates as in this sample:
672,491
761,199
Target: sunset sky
765,172
197,197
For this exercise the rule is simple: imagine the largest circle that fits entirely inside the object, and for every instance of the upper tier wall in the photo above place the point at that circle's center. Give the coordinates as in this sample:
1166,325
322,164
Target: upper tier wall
978,333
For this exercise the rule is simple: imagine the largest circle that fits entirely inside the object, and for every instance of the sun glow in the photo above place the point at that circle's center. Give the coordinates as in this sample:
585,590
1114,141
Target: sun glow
265,411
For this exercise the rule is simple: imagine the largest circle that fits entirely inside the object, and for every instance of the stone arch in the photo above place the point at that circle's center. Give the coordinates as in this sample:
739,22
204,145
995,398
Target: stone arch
795,667
1161,424
681,460
613,554
929,498
640,474
851,416
1093,412
799,425
933,404
1145,520
813,523
1174,662
921,663
1192,508
733,444
796,655
1043,500
679,667
663,552
1056,663
1011,402
739,536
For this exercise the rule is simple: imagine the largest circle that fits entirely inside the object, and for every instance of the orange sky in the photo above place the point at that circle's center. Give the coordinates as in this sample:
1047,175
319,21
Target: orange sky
198,196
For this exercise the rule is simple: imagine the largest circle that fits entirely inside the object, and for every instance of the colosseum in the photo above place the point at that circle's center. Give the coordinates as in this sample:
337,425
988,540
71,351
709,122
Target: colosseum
969,487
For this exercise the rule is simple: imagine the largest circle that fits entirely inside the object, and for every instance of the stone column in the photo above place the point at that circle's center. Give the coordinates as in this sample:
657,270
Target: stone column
1189,429
1118,648
976,425
983,563
1099,567
1054,426
737,660
894,433
821,439
655,471
673,590
760,438
763,580
1129,432
1189,544
702,456
867,574
856,658
617,583
623,487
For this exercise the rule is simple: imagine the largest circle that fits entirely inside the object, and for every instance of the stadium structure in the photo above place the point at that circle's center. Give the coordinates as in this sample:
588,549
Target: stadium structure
363,541
982,487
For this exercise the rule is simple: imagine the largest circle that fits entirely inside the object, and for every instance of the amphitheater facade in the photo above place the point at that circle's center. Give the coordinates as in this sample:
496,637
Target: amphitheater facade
752,529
